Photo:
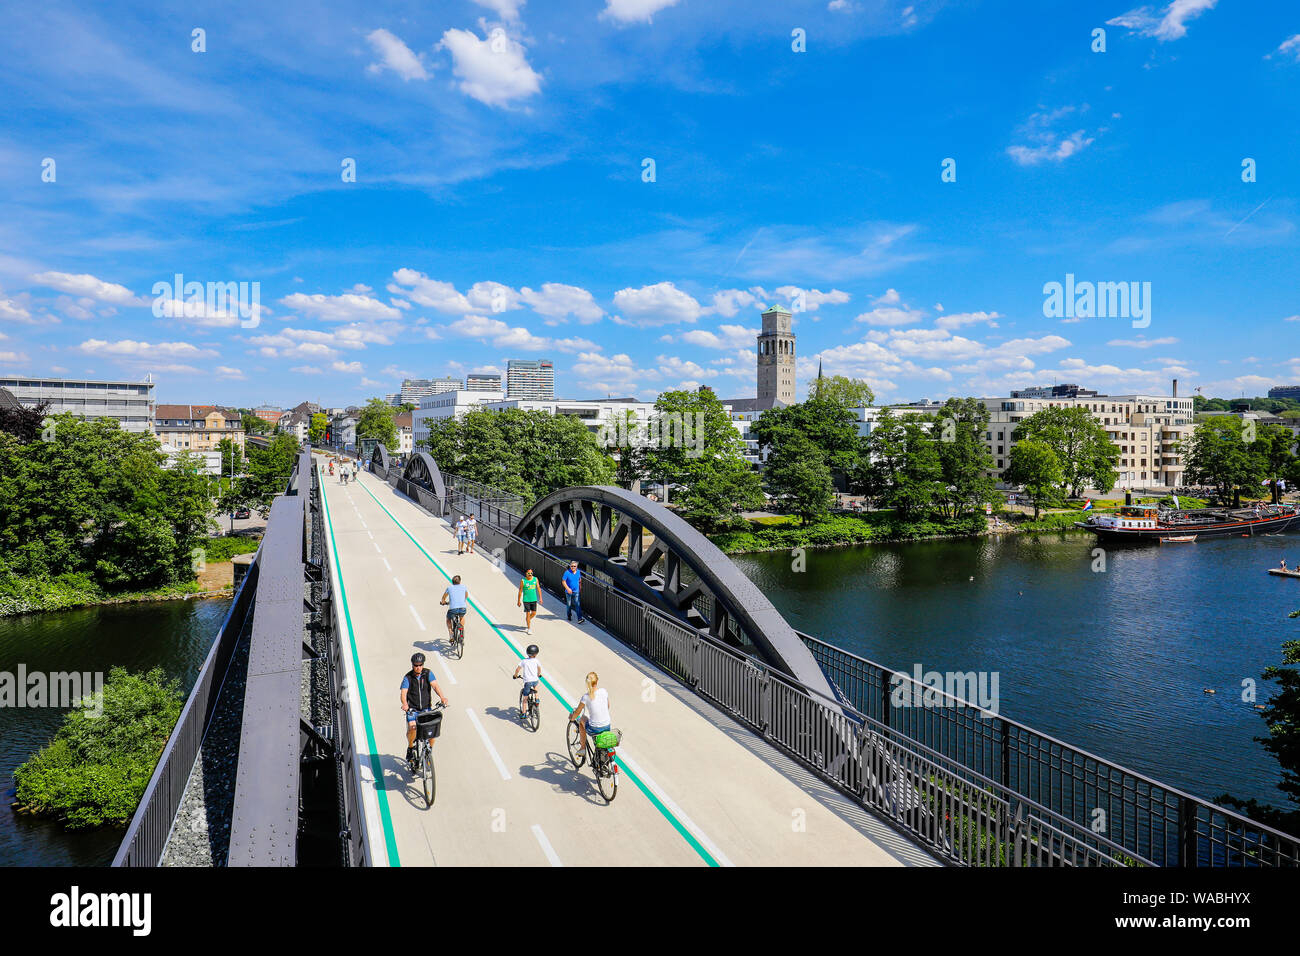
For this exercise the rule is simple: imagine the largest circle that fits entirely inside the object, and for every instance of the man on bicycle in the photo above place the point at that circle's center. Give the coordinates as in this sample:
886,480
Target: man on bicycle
457,598
418,688
530,669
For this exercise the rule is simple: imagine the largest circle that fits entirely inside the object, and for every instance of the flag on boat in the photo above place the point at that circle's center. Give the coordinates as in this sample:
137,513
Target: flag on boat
1087,504
1176,504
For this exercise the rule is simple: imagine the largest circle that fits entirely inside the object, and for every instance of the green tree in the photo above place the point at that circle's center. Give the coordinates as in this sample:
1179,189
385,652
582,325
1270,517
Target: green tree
841,390
316,429
1272,449
254,425
232,457
1034,465
1085,452
376,422
716,479
1218,455
900,466
623,437
95,770
268,472
964,460
828,424
796,473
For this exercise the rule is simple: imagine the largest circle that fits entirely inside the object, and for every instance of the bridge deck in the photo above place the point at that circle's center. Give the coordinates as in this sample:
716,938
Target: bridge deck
696,788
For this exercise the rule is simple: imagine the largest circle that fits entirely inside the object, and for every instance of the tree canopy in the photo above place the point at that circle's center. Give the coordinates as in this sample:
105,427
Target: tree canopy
376,422
1085,452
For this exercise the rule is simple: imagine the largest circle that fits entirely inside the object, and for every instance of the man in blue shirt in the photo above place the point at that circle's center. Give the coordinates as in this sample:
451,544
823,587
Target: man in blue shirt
572,585
456,597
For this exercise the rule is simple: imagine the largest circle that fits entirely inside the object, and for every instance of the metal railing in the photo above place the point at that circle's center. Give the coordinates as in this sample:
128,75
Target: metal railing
146,835
976,788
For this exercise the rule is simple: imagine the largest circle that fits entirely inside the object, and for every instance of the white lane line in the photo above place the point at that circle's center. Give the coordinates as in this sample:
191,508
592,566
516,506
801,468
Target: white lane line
376,544
417,617
673,808
398,583
387,565
443,666
492,751
371,533
363,520
551,856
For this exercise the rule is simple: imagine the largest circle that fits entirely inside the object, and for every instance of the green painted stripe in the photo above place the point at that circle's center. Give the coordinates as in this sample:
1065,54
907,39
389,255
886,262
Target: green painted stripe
390,838
655,801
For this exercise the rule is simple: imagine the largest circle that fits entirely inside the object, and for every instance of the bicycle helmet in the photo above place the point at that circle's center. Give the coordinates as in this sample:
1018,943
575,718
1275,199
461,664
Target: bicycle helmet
417,658
532,650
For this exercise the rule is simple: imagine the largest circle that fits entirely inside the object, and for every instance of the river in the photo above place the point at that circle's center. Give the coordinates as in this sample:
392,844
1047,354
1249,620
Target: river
1115,662
173,635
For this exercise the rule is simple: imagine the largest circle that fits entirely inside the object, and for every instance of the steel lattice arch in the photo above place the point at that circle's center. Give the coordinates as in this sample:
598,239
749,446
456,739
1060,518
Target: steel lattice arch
422,470
380,461
677,570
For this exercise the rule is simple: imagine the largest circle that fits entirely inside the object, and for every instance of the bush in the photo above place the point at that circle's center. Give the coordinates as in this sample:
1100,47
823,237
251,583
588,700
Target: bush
96,768
844,529
225,548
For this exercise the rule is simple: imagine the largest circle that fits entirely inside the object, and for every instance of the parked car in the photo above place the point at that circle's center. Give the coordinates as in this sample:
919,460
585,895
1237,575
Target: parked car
241,513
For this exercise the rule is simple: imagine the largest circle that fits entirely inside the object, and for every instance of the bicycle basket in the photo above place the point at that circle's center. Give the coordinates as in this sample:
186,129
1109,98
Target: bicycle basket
608,739
428,726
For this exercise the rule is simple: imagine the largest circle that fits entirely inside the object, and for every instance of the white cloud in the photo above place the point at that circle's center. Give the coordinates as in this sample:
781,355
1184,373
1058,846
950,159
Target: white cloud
556,300
350,367
890,310
813,298
12,310
492,297
1169,24
1055,149
1289,46
348,307
728,302
503,336
659,304
672,365
306,370
88,286
225,371
633,11
956,320
506,9
1292,318
396,56
613,374
727,337
430,293
493,71
15,357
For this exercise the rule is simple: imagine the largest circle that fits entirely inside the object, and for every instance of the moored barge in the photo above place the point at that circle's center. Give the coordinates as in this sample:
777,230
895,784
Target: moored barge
1149,523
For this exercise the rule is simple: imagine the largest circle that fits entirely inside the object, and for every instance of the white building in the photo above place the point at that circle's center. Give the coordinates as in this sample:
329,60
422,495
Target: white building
405,439
446,405
129,403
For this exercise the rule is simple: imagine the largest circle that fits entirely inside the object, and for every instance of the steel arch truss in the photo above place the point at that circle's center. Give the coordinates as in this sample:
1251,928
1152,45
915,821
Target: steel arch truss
676,569
422,470
380,461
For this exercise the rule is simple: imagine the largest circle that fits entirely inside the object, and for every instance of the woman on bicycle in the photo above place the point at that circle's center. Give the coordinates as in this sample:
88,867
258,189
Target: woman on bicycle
596,703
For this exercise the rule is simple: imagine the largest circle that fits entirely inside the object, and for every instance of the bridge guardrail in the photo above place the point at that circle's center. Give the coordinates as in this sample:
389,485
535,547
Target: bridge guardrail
1049,793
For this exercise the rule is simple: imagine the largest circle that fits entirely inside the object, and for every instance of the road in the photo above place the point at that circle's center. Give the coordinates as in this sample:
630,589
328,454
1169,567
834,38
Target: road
695,789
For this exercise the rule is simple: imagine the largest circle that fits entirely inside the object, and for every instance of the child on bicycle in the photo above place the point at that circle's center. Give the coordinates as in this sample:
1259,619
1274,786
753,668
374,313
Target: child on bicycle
530,669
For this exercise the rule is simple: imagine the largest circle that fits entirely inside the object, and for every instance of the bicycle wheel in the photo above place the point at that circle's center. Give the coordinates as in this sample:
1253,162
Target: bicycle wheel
606,778
576,753
534,715
458,641
430,782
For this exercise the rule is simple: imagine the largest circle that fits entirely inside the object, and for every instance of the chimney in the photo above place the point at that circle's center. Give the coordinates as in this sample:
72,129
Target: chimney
1175,388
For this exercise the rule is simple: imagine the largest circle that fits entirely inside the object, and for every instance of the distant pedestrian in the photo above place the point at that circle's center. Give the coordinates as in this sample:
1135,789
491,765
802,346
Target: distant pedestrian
572,587
471,532
530,598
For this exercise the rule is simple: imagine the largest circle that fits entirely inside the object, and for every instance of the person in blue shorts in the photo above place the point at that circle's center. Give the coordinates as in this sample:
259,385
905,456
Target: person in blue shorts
462,534
471,532
418,689
456,597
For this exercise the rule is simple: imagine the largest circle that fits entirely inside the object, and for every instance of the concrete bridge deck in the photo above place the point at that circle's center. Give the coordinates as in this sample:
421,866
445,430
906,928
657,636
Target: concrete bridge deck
695,788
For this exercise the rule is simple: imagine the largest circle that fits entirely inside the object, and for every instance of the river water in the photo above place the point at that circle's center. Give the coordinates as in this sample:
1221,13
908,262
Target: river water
173,635
1115,662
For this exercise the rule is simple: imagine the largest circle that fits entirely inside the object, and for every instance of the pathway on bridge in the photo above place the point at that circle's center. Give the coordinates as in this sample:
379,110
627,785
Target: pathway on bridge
697,789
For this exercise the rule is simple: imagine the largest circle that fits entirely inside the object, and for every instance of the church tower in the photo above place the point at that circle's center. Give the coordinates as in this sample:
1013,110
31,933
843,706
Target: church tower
776,357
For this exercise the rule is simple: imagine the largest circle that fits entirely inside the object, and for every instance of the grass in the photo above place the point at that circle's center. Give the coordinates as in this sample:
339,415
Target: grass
784,532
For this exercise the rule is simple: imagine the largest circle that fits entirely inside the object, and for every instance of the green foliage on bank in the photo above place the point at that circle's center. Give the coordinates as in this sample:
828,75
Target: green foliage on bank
28,594
95,770
225,548
841,530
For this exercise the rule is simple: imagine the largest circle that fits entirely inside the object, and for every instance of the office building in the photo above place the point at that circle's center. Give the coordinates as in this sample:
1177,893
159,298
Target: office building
532,379
446,405
1284,391
269,415
130,404
414,389
483,382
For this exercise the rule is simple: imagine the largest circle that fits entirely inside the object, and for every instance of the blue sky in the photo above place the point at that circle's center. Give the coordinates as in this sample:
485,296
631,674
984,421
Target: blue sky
501,208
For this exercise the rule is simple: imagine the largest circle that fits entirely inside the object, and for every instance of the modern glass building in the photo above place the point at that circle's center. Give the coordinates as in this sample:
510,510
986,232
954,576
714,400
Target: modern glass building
130,403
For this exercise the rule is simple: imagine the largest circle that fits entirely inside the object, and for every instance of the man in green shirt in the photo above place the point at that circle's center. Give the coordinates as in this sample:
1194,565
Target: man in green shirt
530,598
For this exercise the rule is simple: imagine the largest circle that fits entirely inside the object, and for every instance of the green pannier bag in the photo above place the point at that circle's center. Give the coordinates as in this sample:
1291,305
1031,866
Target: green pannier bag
606,739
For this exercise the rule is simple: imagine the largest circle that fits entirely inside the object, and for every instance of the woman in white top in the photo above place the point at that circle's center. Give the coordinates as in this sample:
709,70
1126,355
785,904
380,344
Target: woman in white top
596,703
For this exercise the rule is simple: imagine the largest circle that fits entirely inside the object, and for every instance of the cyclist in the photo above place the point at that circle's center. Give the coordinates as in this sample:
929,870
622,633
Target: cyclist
462,532
596,702
530,669
471,532
456,597
529,598
418,688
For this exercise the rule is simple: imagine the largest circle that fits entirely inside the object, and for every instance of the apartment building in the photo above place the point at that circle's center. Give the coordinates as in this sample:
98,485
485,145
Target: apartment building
130,404
1146,428
532,379
446,405
416,389
483,382
197,427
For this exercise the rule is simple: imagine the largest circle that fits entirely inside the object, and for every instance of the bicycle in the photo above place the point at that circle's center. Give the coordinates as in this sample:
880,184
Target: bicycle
428,726
457,648
530,710
600,758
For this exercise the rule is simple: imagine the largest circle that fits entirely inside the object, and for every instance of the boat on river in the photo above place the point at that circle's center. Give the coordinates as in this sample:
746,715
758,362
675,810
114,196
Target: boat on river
1150,523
